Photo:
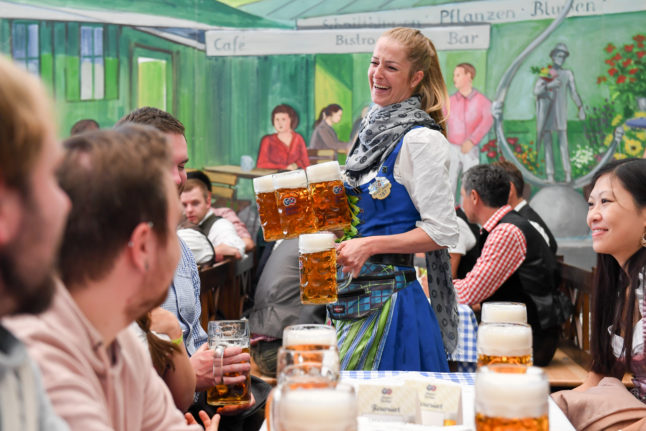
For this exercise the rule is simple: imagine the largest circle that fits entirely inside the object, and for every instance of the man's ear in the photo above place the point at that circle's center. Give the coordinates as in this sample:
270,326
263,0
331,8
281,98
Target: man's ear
512,193
12,210
474,196
141,245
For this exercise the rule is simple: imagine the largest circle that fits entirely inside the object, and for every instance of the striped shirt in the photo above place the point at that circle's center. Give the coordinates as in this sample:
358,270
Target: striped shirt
502,254
183,300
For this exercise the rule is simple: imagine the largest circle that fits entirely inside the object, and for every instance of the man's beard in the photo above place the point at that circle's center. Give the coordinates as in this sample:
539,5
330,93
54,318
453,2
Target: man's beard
31,297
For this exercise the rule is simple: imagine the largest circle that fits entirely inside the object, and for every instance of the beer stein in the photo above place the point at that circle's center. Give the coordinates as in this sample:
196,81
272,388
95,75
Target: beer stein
313,409
231,387
511,397
318,269
329,200
308,368
504,343
309,337
511,312
294,203
267,209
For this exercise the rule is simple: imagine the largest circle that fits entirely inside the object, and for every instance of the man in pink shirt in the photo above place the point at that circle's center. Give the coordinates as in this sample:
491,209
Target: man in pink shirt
468,122
118,256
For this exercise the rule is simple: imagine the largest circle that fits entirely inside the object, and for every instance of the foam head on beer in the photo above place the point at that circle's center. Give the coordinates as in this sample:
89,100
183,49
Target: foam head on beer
504,339
290,180
504,312
315,242
513,392
328,171
324,409
309,335
263,184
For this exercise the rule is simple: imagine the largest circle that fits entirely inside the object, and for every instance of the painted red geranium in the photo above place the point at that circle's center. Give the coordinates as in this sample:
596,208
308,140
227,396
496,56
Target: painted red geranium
628,48
621,79
609,48
612,72
626,62
633,71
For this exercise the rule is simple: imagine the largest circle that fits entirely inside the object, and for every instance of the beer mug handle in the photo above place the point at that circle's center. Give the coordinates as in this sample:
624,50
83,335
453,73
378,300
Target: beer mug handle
218,359
342,283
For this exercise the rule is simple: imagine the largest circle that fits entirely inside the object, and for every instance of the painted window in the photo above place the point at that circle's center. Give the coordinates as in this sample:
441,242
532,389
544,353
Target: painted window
24,46
92,70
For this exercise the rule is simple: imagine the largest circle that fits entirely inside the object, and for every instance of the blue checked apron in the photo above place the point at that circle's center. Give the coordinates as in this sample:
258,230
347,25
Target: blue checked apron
386,322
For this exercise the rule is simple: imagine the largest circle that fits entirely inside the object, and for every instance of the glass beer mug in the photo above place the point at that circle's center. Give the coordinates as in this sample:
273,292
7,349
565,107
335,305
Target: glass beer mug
504,343
313,409
267,209
309,337
329,200
294,203
231,388
318,269
511,312
511,397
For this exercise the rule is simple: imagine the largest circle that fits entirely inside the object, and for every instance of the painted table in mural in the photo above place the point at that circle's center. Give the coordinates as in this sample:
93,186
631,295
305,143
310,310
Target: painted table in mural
237,170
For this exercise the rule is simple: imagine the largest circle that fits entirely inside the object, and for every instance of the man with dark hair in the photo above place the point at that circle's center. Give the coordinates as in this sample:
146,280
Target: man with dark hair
84,125
196,201
33,209
521,206
468,121
515,263
98,374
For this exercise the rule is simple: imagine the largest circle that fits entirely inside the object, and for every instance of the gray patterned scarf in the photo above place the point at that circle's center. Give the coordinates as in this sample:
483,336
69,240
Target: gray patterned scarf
381,130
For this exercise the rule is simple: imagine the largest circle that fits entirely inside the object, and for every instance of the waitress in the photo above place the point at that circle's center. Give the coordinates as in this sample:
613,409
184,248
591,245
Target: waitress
397,181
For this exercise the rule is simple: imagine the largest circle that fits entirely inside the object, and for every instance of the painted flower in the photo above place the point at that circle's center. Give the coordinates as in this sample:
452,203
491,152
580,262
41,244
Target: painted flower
618,119
601,79
626,62
621,79
633,147
639,38
610,62
640,54
628,48
608,140
609,48
612,72
633,71
617,56
619,156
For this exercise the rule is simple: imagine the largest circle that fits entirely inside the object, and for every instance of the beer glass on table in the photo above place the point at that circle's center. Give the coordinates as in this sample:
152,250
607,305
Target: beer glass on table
511,397
319,409
231,387
267,209
329,200
308,350
294,203
512,312
504,343
318,269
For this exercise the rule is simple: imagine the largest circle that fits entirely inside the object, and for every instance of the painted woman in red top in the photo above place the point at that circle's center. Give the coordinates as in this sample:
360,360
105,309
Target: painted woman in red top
284,149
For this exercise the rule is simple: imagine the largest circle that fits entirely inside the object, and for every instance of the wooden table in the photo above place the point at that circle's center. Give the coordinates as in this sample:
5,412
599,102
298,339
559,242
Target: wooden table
236,170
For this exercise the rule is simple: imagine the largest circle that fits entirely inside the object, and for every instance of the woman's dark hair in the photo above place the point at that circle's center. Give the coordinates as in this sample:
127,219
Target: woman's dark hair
326,112
161,351
613,296
286,109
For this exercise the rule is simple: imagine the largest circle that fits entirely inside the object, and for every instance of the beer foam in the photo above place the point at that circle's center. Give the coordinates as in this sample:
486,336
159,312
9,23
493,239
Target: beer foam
511,394
317,409
504,339
263,184
319,335
315,242
328,171
514,312
290,180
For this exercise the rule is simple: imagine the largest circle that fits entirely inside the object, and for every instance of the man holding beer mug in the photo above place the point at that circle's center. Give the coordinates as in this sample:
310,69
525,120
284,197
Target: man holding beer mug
397,172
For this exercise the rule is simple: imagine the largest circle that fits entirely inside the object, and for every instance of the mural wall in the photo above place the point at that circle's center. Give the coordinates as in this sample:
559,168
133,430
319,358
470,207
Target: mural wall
101,63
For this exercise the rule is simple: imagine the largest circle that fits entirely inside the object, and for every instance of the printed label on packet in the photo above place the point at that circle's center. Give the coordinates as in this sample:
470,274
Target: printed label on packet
440,402
389,401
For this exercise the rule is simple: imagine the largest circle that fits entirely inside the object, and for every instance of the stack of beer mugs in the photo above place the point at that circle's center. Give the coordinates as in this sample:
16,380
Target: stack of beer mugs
511,397
309,395
302,201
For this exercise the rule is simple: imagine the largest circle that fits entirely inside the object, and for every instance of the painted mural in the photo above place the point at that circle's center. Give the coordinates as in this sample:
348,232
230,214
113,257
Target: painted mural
561,98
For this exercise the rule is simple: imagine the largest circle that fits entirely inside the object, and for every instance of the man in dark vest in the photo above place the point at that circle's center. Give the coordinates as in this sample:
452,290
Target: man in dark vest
520,205
220,231
515,263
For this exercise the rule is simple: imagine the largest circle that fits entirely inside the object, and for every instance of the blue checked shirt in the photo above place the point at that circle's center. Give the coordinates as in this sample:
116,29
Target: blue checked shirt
183,300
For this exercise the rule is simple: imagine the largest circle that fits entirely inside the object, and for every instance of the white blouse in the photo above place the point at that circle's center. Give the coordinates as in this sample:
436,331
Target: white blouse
422,167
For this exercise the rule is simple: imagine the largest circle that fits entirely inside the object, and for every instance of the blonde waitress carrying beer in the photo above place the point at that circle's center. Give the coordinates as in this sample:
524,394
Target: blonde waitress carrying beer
396,175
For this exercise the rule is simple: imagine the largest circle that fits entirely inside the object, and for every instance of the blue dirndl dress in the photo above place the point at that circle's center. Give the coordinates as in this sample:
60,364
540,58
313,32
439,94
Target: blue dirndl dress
404,333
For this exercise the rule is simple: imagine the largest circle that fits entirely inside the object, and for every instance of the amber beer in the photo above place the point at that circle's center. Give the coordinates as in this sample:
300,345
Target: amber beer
317,263
267,209
294,203
329,200
509,399
231,388
504,343
512,312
